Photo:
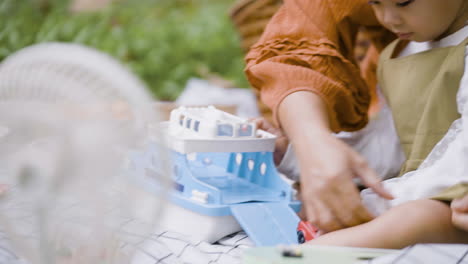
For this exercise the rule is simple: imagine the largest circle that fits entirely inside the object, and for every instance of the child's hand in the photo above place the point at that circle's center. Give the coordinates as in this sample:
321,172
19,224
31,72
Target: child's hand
281,143
460,212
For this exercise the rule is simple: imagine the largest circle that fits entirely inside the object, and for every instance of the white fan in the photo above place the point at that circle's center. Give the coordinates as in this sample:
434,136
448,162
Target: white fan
68,116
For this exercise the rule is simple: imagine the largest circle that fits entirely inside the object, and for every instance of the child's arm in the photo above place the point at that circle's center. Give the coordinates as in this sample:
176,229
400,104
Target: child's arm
421,221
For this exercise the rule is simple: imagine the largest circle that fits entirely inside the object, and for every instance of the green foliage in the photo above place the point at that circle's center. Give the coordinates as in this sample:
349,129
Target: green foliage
165,42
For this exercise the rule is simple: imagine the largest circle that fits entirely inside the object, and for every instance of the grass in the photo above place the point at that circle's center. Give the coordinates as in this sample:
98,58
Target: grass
164,42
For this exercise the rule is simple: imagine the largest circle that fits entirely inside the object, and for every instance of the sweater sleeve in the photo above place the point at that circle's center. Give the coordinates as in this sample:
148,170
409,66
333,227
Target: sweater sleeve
308,46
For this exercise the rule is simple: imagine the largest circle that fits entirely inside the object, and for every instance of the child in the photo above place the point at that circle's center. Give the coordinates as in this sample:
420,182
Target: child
425,85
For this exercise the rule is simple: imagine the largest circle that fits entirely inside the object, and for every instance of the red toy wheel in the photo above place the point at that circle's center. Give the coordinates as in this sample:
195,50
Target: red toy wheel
306,232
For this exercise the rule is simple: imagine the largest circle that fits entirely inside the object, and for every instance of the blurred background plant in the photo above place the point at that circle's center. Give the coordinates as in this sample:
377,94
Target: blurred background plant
165,42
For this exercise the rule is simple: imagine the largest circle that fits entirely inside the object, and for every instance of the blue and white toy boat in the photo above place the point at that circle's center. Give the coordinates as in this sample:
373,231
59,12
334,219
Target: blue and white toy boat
224,176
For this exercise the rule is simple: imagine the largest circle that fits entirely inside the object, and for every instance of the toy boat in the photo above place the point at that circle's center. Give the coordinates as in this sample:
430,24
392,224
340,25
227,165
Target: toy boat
224,178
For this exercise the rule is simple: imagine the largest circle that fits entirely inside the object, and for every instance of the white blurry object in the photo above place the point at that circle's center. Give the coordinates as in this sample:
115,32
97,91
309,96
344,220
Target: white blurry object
68,115
201,92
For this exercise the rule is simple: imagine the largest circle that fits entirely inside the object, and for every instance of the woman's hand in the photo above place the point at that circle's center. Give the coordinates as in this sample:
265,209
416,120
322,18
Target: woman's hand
281,143
460,212
331,199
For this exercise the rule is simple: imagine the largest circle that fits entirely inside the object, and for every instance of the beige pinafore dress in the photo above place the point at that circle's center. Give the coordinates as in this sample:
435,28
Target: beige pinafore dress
421,90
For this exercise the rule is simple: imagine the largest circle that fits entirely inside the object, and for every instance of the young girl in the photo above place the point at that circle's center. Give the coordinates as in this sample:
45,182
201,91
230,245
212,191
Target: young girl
425,84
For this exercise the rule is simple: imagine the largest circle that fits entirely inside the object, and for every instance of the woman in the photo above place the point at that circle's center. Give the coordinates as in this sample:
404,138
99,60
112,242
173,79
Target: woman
305,70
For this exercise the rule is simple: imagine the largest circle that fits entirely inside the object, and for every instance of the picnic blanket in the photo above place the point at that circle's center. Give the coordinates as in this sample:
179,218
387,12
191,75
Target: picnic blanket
172,247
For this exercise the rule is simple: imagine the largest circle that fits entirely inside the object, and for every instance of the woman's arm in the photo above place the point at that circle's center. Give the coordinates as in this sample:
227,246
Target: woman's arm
309,45
305,70
330,198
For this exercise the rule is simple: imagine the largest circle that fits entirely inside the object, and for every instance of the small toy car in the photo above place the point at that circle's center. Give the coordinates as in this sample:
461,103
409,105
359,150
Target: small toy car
306,232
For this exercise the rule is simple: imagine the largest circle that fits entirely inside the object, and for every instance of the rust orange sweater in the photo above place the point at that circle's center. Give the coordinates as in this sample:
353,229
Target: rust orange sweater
309,45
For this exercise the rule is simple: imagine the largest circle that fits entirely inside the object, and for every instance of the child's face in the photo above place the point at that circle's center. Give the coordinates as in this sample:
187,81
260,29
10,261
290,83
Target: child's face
419,20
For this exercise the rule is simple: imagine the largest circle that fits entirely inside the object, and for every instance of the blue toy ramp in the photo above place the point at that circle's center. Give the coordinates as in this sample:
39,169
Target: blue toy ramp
237,190
267,224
